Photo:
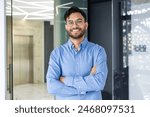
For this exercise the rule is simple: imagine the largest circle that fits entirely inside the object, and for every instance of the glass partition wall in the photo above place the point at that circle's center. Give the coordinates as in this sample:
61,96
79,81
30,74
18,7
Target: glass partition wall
30,40
136,46
139,59
9,50
26,21
61,6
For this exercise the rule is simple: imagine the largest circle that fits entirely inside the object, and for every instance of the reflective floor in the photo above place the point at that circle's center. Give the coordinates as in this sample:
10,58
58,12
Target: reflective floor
32,92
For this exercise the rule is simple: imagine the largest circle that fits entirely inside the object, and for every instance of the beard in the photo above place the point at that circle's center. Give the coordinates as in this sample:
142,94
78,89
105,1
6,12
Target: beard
76,36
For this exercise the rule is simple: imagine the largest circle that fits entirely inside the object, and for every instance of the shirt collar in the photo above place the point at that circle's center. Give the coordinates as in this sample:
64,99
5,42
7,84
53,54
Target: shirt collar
82,45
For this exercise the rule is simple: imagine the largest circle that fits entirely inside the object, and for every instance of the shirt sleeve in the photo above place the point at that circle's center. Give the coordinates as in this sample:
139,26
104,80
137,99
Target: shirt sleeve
91,82
54,85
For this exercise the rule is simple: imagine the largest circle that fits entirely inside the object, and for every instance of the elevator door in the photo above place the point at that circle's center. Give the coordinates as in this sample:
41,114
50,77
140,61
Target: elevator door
22,59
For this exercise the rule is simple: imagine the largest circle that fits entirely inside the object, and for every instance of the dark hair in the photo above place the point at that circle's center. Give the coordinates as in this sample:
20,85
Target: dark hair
74,9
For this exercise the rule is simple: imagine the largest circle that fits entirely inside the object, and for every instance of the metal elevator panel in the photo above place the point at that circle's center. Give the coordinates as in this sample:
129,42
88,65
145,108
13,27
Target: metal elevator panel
23,59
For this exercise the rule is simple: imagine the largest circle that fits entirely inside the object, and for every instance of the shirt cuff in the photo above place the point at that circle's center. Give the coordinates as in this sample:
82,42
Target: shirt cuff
76,82
80,85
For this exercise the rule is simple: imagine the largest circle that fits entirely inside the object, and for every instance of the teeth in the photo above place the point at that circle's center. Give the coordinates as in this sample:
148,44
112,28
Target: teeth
75,30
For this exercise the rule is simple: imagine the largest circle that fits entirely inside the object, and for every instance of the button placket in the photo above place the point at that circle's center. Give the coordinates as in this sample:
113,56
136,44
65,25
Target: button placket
77,59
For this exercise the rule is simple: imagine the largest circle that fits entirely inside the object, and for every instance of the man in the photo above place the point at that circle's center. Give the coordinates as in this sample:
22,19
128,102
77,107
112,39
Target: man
77,70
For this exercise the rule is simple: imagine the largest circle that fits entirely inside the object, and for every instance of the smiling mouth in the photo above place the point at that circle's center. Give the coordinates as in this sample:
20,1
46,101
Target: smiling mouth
75,30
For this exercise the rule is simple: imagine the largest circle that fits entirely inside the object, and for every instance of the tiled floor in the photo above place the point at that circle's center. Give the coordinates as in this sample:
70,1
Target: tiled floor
32,92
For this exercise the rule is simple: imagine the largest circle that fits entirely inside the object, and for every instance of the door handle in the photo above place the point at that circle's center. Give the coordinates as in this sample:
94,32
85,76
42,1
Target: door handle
11,80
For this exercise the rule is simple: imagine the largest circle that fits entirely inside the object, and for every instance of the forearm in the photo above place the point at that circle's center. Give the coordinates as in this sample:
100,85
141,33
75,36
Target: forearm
54,85
92,82
57,88
88,83
93,71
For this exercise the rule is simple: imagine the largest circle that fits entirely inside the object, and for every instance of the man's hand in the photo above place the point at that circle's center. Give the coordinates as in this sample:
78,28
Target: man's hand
61,79
93,70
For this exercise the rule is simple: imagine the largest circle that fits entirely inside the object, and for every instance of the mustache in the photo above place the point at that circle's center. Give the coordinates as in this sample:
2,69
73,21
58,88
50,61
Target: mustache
75,29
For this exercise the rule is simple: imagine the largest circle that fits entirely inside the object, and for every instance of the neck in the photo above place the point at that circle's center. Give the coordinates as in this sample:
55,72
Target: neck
77,42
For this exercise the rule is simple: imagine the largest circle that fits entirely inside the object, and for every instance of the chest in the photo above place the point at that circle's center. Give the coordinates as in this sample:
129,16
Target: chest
76,63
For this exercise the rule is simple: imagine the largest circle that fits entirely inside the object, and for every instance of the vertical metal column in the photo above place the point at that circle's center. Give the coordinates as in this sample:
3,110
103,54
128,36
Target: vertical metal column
2,51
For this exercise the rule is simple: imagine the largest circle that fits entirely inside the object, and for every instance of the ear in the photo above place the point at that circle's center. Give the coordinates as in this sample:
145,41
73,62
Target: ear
86,24
66,27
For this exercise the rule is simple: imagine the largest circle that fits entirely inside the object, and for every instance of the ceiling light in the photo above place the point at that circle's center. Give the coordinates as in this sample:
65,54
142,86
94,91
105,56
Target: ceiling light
25,9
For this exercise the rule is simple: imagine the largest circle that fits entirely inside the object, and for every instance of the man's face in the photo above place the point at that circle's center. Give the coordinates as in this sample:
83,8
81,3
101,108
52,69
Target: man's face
76,26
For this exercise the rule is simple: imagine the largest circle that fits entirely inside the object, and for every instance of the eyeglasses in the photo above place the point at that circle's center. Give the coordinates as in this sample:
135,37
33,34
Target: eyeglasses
77,22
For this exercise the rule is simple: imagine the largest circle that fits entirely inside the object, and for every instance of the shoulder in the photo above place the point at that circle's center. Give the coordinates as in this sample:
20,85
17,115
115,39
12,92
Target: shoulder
95,47
59,49
97,50
55,51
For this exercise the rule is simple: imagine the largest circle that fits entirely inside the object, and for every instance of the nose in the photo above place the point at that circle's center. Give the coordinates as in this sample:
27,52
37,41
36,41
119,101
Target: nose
74,25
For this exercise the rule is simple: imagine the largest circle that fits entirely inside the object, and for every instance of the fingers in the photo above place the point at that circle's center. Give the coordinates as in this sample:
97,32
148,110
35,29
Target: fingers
93,70
62,79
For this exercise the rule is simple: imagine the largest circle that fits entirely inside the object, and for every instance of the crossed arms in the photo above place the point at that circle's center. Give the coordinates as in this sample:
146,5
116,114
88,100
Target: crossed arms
70,85
93,71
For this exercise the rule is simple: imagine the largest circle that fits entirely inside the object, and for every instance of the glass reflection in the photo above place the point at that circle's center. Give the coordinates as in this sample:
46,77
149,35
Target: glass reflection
136,48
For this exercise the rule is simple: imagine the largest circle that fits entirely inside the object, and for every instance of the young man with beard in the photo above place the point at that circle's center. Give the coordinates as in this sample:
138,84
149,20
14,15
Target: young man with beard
77,69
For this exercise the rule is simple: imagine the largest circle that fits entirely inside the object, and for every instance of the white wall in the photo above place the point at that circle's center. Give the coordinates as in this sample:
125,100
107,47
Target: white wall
2,51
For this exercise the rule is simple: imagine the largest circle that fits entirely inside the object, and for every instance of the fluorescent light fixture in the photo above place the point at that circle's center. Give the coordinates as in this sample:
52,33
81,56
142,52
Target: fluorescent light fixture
62,5
37,9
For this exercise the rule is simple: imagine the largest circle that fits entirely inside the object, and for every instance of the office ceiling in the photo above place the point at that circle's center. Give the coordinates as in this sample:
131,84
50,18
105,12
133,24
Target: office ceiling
31,9
34,9
39,9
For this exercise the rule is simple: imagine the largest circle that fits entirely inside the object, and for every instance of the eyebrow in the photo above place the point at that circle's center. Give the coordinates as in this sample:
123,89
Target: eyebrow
76,19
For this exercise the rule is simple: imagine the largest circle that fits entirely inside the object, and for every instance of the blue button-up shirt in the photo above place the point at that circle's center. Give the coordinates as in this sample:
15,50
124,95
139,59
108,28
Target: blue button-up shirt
75,66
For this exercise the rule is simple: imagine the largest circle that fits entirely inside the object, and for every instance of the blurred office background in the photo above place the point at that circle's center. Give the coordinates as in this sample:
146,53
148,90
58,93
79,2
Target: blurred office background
35,28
